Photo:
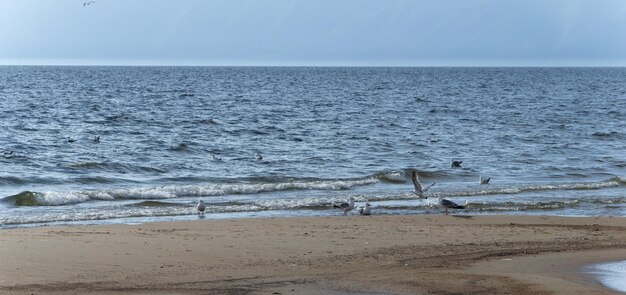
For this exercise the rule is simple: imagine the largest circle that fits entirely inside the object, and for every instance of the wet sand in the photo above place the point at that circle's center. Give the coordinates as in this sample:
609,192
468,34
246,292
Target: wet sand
416,254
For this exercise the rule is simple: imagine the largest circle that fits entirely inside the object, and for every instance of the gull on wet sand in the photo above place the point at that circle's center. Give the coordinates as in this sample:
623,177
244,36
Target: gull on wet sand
365,210
200,207
345,206
483,180
447,204
418,186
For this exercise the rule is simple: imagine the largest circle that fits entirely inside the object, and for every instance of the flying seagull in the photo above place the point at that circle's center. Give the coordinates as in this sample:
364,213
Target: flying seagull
88,3
447,204
456,163
200,207
418,186
345,206
482,180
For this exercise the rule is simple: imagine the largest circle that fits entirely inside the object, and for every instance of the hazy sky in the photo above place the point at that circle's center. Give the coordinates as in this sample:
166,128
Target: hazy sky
314,32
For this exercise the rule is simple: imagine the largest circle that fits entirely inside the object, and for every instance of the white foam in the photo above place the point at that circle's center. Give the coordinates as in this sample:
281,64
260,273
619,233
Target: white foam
54,198
612,275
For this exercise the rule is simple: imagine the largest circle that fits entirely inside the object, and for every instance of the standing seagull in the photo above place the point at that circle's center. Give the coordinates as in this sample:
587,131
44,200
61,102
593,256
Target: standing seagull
447,204
365,210
482,180
345,206
200,207
418,186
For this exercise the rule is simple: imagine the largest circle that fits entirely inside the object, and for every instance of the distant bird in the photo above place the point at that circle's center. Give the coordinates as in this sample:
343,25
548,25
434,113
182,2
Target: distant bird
365,210
200,207
216,158
447,204
418,186
482,180
7,153
456,163
88,3
96,139
69,139
258,157
345,206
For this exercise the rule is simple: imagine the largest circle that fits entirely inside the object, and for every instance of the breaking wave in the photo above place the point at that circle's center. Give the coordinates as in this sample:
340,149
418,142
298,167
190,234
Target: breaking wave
265,185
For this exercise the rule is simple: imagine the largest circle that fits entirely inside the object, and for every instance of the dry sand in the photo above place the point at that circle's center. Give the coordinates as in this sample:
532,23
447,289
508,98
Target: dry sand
417,254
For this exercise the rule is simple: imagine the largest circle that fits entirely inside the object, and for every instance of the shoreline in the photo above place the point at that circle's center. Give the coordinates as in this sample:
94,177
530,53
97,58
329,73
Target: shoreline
396,254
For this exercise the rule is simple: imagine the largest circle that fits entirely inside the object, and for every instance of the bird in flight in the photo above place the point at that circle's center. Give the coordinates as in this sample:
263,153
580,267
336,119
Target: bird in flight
88,3
418,186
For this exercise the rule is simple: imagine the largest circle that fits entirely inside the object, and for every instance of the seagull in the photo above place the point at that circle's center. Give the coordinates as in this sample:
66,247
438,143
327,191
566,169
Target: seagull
456,163
447,204
96,139
69,139
88,3
200,207
258,157
345,206
418,186
365,210
7,153
482,180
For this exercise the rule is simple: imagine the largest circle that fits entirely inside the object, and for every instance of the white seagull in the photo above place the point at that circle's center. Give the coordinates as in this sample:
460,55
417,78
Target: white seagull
365,210
200,207
345,206
482,180
258,157
447,204
418,186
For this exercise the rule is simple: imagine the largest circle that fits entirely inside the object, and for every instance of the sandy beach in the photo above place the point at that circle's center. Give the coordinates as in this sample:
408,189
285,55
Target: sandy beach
416,254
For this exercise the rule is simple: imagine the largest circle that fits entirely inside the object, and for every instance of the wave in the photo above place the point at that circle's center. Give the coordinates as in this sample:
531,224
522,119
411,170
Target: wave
252,186
523,206
56,198
611,182
152,209
112,167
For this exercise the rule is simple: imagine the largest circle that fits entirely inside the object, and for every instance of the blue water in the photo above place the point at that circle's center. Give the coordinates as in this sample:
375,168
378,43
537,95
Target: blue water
553,140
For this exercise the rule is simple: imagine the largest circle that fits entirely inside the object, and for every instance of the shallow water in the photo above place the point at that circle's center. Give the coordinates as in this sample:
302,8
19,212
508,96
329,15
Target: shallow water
551,139
611,275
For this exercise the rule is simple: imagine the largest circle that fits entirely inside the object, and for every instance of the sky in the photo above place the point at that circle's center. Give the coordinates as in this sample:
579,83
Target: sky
314,32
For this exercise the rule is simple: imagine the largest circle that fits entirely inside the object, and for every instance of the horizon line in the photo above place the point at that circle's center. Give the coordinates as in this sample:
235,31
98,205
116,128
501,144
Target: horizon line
320,65
310,63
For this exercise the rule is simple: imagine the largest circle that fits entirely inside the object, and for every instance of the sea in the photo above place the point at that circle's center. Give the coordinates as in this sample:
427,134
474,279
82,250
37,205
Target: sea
124,144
